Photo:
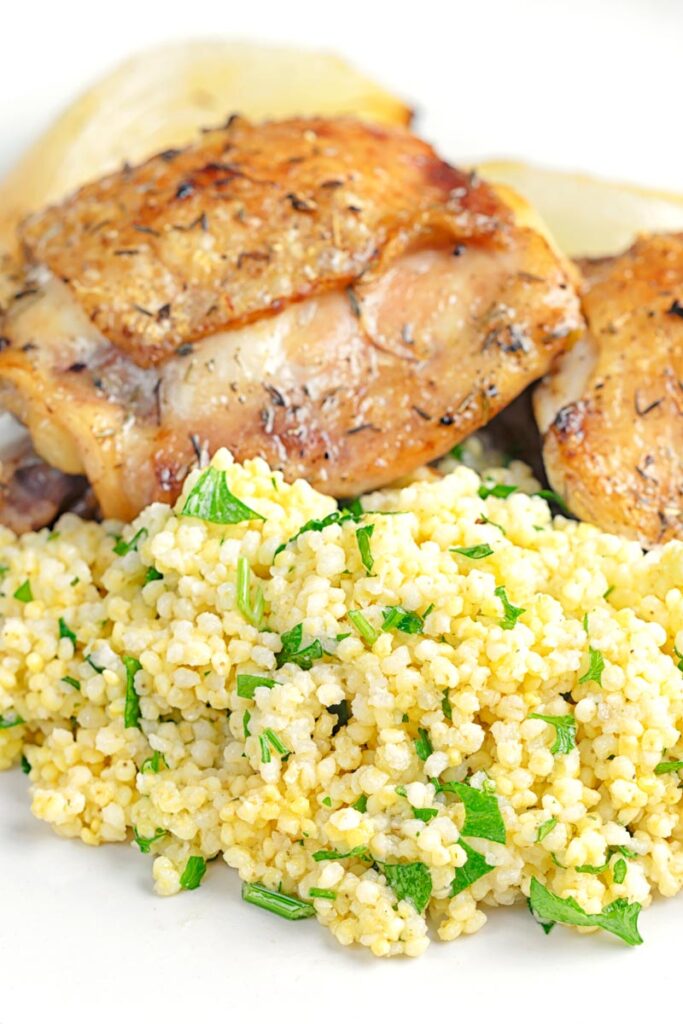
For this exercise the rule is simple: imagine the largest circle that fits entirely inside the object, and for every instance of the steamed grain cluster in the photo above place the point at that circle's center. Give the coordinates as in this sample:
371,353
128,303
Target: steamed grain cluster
374,724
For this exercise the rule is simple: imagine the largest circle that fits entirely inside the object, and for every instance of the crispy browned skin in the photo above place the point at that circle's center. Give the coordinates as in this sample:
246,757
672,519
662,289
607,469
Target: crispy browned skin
346,342
614,446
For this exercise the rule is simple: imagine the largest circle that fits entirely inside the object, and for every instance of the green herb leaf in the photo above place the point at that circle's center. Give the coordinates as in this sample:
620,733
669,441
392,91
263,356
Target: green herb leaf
595,668
195,869
485,519
24,592
153,765
512,613
591,869
70,681
483,819
497,490
145,842
327,800
547,926
565,731
246,718
343,712
212,500
357,851
361,804
411,882
553,498
131,714
476,552
396,617
457,452
294,653
446,706
369,634
318,525
425,813
247,685
619,870
289,907
25,764
322,894
153,574
620,917
269,739
545,829
11,719
363,535
475,867
664,767
97,668
423,744
251,610
66,633
122,547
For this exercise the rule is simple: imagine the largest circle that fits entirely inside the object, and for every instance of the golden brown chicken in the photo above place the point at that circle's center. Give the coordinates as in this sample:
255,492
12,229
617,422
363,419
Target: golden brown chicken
324,293
612,410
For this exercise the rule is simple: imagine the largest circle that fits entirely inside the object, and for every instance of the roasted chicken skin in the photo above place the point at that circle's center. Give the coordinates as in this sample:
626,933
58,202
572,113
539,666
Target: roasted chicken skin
612,410
326,294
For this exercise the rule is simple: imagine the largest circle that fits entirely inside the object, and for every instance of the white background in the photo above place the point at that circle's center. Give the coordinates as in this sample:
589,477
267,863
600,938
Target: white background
593,86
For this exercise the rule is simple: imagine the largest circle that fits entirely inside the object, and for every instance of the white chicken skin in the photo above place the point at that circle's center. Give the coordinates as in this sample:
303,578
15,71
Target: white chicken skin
323,293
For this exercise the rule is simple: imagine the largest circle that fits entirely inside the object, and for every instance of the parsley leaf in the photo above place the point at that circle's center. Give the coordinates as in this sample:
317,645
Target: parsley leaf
24,592
620,917
289,907
423,744
361,804
25,764
357,851
619,871
70,681
11,719
195,869
552,497
512,613
153,574
545,828
368,632
212,500
396,617
97,668
322,894
66,633
483,819
247,685
363,535
476,552
153,765
293,652
565,731
497,490
131,714
664,767
246,718
425,813
342,710
411,882
145,842
269,739
475,867
251,610
122,547
446,706
318,525
595,668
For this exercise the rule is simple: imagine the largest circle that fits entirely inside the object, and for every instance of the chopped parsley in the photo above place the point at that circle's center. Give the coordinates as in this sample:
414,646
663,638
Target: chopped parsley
65,633
396,617
474,868
565,731
620,917
342,710
212,500
289,907
619,870
247,685
153,574
512,613
70,681
269,739
131,713
411,882
195,869
457,452
483,819
293,652
552,497
545,829
145,842
595,668
322,894
446,706
251,610
664,767
497,490
97,668
11,719
318,525
476,552
153,765
25,764
423,744
246,718
122,547
361,804
357,851
327,800
490,522
363,535
24,592
425,813
367,631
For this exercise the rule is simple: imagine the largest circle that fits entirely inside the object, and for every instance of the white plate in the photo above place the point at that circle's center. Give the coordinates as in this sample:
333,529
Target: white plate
82,936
